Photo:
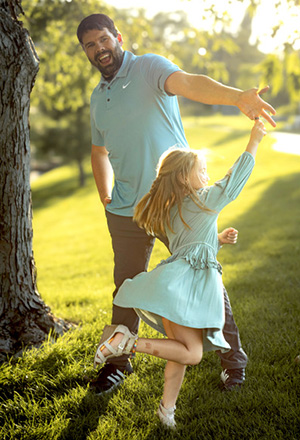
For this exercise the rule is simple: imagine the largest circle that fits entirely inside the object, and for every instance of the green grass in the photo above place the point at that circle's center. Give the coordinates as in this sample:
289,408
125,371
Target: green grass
43,392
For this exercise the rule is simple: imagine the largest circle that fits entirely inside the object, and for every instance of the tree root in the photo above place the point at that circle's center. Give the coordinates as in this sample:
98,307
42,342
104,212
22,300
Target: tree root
29,331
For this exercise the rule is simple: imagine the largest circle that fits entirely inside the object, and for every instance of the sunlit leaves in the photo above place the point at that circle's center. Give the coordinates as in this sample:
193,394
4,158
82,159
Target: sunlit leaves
66,79
273,72
293,75
283,73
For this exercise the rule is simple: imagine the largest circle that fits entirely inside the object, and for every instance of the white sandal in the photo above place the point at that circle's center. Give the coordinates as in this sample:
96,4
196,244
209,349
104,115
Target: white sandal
126,346
167,416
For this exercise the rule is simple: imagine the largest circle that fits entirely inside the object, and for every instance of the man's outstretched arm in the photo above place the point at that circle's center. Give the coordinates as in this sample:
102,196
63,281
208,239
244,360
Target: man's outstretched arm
203,89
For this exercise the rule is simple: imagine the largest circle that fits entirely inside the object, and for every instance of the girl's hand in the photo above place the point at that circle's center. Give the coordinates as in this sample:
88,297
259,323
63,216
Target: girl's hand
257,133
228,236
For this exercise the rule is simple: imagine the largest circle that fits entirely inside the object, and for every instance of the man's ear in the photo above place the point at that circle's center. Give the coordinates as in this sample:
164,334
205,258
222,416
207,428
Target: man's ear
120,39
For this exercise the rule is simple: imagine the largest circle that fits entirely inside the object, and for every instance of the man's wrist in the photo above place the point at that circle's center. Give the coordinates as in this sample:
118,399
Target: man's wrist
237,96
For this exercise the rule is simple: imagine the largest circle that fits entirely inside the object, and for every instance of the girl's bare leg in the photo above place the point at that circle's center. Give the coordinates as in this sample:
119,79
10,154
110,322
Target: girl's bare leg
184,344
184,348
174,371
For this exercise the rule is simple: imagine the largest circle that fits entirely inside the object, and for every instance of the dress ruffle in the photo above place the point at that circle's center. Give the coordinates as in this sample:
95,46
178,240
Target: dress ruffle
199,255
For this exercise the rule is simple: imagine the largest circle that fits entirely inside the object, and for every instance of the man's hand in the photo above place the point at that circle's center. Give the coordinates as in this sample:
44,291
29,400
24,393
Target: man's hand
228,236
106,201
251,104
103,173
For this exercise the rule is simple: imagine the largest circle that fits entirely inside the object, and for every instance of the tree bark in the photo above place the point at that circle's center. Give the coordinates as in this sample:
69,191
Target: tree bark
24,318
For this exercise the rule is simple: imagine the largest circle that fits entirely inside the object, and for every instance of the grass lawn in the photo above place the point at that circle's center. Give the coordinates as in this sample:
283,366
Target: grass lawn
43,394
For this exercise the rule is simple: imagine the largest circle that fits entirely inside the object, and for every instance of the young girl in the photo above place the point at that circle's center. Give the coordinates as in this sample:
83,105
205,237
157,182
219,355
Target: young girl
182,297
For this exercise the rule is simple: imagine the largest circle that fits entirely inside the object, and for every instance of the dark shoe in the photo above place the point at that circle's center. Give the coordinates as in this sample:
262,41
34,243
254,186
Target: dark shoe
109,377
232,378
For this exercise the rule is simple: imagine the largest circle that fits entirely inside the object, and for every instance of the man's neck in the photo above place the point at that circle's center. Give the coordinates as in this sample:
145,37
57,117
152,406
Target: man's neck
110,78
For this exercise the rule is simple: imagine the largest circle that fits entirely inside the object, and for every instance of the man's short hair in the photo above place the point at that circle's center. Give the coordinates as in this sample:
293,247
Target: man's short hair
96,21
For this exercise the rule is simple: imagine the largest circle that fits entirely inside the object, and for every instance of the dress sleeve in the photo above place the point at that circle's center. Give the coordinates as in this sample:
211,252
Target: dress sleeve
227,189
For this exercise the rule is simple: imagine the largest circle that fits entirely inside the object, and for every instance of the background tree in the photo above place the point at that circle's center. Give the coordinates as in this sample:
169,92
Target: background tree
61,96
65,80
281,66
24,318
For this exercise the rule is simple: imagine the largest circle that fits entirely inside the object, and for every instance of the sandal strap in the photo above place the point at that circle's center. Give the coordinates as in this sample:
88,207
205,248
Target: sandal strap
125,346
99,358
167,411
128,341
108,333
129,344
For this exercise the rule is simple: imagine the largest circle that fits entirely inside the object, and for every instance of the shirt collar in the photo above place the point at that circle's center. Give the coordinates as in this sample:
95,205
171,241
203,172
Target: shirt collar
122,72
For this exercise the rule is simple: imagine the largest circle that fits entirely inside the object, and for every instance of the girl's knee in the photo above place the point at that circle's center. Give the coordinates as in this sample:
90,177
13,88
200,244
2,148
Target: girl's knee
195,357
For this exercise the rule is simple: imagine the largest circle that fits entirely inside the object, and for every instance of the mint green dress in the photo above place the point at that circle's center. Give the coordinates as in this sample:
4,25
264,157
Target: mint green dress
187,287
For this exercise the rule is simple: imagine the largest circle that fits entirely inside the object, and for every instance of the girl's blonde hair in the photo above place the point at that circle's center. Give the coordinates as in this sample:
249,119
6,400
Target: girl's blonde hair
169,188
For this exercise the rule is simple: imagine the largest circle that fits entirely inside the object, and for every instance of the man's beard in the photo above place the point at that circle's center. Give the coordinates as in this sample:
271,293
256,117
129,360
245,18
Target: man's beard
110,70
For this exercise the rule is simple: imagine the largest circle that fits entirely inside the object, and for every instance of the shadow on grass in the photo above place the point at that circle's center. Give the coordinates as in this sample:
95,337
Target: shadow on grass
265,292
279,207
55,393
268,310
48,195
276,212
85,418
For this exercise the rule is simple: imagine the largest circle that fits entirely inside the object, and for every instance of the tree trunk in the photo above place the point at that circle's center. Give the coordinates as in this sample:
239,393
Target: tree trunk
24,318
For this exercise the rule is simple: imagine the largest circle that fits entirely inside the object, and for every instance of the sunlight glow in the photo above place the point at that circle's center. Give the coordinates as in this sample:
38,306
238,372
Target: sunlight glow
202,51
266,18
193,8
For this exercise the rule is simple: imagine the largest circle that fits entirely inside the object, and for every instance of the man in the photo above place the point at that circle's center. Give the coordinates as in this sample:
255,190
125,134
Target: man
134,119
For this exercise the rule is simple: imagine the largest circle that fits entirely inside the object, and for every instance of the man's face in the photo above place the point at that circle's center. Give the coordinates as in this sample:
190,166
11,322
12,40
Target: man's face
104,51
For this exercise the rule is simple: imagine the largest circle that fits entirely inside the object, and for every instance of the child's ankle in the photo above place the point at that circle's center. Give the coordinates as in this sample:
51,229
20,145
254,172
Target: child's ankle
167,406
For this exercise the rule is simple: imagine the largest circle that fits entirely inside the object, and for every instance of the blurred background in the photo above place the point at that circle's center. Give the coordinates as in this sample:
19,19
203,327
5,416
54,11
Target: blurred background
241,43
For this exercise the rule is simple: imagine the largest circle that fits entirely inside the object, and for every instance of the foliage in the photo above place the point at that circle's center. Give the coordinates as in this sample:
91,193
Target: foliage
44,395
283,72
281,68
292,63
66,79
60,99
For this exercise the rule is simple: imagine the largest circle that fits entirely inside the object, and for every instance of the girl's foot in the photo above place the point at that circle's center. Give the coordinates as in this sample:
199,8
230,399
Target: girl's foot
167,416
115,341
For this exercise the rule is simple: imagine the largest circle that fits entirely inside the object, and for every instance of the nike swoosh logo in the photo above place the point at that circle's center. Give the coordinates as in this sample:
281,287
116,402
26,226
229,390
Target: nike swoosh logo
126,85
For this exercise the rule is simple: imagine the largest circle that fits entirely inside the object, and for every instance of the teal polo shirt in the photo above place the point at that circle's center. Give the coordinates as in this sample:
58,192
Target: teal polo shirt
136,121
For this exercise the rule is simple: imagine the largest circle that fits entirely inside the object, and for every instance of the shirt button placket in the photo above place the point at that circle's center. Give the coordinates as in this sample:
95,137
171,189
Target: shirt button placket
108,97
